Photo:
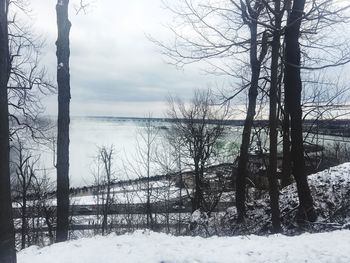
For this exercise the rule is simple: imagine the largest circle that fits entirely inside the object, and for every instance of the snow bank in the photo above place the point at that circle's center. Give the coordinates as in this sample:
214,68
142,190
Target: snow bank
331,194
147,247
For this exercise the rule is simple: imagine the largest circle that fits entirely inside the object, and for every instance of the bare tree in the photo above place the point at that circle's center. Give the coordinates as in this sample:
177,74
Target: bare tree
323,44
7,238
43,190
220,35
63,81
198,126
169,164
143,165
23,74
148,138
250,15
273,118
293,86
24,163
106,157
28,80
104,180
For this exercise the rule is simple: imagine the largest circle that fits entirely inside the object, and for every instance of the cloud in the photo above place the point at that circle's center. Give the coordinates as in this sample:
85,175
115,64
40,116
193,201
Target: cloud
111,58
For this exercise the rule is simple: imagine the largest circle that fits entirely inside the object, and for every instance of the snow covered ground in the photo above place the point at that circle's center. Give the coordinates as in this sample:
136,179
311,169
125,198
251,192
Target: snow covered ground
331,192
147,247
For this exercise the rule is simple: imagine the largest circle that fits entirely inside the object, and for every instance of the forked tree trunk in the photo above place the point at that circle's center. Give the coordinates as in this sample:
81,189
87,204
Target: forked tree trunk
7,237
293,87
63,81
242,172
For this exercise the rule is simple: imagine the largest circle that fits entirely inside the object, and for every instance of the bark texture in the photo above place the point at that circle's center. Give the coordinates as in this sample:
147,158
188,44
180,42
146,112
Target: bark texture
293,87
63,81
255,63
286,162
7,238
273,120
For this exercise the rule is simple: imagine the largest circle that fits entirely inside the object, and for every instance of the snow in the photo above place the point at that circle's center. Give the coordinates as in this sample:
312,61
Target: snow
330,189
331,194
144,246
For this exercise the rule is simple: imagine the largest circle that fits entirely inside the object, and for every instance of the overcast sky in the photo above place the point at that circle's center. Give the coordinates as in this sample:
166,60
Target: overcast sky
115,69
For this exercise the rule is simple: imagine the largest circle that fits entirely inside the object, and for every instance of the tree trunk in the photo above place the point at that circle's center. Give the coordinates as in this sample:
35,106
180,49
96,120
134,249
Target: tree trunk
105,216
7,235
286,161
108,199
24,220
198,189
47,216
248,123
150,223
63,81
293,86
272,172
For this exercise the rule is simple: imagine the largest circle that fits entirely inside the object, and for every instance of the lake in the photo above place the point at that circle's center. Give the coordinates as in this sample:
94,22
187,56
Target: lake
87,134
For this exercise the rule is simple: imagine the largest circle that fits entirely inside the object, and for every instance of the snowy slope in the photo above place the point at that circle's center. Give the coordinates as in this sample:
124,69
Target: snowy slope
331,193
147,247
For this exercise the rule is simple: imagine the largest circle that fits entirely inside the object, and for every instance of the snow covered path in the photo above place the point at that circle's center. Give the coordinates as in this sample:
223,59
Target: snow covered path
149,247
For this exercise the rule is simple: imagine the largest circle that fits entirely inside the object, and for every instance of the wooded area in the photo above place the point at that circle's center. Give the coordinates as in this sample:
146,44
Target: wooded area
186,177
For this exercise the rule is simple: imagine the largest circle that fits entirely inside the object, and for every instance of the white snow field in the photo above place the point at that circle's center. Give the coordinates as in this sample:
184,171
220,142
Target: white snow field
150,247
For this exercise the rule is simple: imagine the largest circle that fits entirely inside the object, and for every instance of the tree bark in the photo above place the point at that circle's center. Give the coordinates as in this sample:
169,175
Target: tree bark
7,235
293,87
272,172
196,199
63,81
242,172
286,161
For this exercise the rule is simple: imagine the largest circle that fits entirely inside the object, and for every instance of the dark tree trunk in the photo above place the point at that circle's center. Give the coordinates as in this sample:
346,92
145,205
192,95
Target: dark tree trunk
106,207
272,172
293,86
63,81
107,157
198,189
24,220
105,214
7,237
248,123
150,223
48,215
286,161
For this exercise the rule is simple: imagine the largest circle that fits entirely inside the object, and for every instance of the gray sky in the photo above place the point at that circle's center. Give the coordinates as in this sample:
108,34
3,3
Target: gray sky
115,69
